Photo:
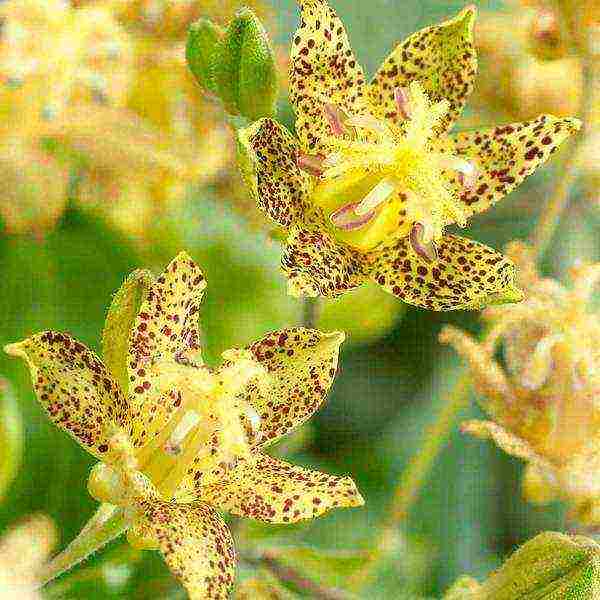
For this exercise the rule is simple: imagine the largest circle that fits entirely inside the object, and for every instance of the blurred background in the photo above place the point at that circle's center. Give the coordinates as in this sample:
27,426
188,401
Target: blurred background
111,159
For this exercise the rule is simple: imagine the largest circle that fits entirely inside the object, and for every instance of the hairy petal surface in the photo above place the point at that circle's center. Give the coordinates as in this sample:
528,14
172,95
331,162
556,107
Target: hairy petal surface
505,440
441,58
466,275
505,156
318,265
323,69
301,366
164,332
195,543
74,387
275,491
267,154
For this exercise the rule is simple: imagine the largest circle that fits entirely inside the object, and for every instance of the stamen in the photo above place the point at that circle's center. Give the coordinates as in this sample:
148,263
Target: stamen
427,251
402,100
377,196
335,118
466,169
173,445
346,218
253,418
311,163
467,177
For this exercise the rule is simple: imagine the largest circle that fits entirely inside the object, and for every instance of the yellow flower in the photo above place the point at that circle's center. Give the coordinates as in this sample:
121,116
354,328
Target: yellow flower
544,403
24,548
178,440
374,178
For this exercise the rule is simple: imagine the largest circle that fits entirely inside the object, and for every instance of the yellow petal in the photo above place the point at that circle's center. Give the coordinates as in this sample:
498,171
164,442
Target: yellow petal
165,331
466,275
323,70
320,264
267,159
441,58
275,491
74,387
504,156
119,320
195,543
301,365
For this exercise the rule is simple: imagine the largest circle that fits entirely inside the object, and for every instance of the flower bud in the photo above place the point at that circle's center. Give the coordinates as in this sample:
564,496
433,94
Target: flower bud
238,65
551,566
201,52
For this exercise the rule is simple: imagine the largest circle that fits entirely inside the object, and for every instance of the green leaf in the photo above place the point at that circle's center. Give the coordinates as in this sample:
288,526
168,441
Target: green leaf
121,314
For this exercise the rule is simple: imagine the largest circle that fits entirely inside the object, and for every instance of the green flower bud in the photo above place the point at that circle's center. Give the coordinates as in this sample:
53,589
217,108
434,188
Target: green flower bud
551,566
201,52
238,65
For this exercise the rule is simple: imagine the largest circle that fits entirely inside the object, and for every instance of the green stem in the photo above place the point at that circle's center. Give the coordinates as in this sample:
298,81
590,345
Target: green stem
550,217
107,524
311,308
412,480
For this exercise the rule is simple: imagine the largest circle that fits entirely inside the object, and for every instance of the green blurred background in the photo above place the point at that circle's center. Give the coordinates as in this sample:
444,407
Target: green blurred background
394,376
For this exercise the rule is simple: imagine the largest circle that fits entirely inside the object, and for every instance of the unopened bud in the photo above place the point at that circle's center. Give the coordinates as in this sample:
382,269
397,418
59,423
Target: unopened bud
238,65
203,41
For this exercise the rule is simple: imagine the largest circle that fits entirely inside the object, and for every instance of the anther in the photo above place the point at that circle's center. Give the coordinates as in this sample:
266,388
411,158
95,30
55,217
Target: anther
377,196
335,118
311,163
173,445
402,100
346,218
427,251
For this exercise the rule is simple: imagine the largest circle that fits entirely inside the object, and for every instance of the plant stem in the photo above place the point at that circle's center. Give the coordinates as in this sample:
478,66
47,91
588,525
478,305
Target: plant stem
289,575
107,524
550,217
311,308
409,487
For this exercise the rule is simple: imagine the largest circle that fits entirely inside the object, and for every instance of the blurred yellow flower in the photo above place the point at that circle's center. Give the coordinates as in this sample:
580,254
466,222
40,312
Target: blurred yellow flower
544,402
107,83
24,548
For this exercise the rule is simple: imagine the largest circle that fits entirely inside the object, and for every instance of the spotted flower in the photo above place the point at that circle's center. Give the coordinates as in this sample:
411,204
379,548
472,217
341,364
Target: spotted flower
373,179
544,403
178,440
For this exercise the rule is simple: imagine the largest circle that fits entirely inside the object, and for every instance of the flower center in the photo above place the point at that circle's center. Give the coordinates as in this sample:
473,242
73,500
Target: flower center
383,180
214,425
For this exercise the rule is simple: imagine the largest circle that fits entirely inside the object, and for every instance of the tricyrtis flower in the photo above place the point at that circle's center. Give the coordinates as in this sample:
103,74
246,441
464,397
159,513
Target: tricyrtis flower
544,402
374,178
177,439
24,548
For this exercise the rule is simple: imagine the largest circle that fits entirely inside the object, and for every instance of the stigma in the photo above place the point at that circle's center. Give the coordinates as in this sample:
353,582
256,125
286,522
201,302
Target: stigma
383,181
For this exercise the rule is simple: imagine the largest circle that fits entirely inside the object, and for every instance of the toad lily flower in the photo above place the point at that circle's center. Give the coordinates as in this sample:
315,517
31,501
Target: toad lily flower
178,440
374,178
544,404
